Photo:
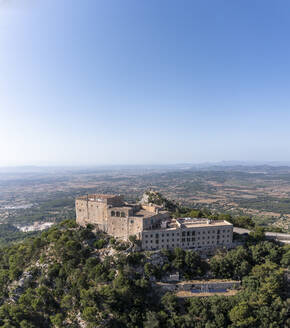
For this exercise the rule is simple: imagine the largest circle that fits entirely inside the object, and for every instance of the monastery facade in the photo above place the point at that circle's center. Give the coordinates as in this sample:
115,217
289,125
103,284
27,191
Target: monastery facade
151,224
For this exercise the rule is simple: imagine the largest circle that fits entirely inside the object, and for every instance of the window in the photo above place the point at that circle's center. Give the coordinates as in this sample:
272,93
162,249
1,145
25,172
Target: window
113,213
117,213
123,214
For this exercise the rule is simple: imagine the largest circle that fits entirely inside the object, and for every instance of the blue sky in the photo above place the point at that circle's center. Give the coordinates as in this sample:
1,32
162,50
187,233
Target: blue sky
144,82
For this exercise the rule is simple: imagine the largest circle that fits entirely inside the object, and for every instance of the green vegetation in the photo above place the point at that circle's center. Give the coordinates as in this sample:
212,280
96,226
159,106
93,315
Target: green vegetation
62,278
9,234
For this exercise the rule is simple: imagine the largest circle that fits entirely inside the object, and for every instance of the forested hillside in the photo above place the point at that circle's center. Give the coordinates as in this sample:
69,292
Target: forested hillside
73,277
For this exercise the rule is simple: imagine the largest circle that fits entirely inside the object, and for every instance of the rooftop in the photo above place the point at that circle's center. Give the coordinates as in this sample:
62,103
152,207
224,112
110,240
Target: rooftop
189,223
145,213
97,197
196,222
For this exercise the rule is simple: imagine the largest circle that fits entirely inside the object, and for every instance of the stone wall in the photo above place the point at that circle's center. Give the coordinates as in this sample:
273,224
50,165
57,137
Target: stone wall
110,214
201,286
154,220
123,227
90,212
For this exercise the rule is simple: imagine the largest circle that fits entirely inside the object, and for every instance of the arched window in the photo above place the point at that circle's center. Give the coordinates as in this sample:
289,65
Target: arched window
117,213
123,214
113,213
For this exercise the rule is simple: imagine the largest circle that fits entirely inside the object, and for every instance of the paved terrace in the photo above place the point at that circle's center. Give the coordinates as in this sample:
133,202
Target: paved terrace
189,223
200,223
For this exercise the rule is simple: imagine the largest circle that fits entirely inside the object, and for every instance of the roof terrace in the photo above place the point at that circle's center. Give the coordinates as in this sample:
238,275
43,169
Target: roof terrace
197,222
97,197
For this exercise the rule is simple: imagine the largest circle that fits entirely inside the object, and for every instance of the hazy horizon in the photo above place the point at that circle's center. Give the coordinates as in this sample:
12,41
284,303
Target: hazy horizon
148,165
124,82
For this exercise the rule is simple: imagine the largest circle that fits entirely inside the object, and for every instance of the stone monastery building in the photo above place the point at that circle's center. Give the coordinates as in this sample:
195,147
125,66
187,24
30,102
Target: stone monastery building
151,224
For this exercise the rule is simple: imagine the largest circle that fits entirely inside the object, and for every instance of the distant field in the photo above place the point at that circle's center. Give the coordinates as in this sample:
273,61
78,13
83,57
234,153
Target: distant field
262,192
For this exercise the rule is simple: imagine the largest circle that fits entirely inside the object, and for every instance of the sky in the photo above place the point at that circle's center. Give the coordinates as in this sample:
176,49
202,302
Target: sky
97,82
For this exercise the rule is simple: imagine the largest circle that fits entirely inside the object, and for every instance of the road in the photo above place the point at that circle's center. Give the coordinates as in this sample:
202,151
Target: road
282,237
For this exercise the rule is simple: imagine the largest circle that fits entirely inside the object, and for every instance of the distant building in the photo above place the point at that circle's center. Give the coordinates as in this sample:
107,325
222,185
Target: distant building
151,224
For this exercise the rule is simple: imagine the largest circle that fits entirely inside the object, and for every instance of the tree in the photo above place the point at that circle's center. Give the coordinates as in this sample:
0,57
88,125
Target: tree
148,269
100,243
285,261
151,320
179,255
67,302
133,239
169,301
193,265
57,320
258,234
266,250
242,316
90,313
26,324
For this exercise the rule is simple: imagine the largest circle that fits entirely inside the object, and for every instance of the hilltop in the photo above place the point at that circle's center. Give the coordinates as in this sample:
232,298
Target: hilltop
71,276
